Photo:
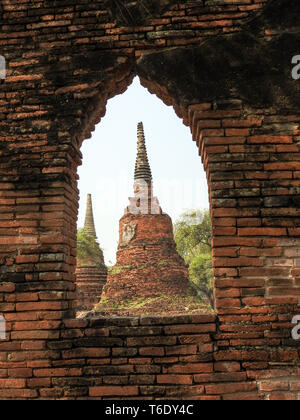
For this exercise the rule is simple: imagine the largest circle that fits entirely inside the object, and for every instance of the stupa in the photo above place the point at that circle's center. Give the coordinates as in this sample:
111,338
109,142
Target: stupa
91,272
148,263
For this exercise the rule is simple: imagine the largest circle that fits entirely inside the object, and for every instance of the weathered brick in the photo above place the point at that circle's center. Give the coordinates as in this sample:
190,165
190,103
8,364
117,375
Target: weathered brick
117,391
49,103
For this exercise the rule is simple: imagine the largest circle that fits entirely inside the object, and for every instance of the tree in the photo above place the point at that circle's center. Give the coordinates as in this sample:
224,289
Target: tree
88,248
193,240
193,234
201,275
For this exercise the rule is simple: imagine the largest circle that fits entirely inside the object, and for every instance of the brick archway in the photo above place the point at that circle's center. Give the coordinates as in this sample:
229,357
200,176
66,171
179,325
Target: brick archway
247,133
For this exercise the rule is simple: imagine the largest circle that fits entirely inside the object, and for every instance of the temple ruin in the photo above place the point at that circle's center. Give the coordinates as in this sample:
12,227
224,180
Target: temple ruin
147,264
91,272
226,68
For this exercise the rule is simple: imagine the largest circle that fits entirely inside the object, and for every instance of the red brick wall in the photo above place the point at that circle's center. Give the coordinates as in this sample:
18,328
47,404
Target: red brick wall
64,62
183,357
254,194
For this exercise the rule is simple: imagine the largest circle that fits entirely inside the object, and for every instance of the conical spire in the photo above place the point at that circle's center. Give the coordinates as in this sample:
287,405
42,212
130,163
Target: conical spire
142,167
143,201
89,224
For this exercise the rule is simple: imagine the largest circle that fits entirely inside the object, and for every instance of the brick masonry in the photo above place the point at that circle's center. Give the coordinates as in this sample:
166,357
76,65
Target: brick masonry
90,280
236,93
147,264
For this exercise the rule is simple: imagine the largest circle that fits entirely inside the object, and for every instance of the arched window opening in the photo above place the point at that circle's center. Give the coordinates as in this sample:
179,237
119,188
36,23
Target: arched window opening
145,264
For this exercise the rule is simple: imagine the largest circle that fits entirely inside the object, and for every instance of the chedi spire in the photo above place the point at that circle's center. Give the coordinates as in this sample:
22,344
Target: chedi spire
142,167
89,224
143,201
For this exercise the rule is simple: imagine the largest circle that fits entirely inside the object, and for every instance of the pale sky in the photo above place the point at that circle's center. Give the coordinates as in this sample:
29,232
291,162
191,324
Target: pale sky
109,159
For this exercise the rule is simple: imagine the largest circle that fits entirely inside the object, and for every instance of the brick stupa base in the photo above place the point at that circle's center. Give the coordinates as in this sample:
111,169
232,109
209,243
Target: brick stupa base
148,264
90,280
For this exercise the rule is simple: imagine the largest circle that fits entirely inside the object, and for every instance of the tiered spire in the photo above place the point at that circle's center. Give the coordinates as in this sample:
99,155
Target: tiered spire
89,224
142,167
143,201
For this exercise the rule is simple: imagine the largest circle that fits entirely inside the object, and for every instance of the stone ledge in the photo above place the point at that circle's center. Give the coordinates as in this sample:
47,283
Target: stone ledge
91,320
